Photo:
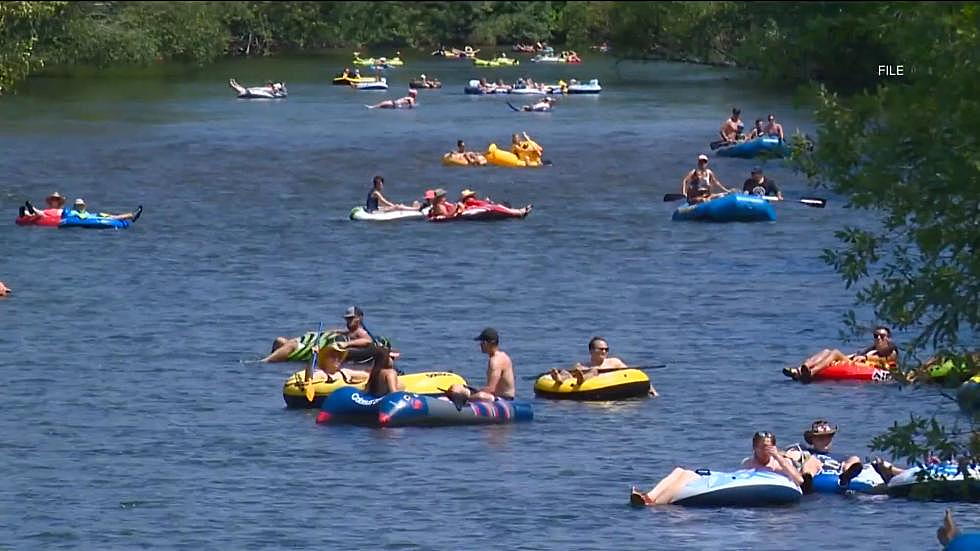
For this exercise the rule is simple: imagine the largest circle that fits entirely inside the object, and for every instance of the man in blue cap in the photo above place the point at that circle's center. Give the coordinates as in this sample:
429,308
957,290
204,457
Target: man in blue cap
761,185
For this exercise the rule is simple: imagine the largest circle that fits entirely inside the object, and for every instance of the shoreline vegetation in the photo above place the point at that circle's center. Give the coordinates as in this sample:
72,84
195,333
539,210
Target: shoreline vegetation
787,42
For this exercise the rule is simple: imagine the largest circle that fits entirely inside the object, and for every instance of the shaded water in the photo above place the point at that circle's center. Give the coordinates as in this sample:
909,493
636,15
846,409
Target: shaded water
130,420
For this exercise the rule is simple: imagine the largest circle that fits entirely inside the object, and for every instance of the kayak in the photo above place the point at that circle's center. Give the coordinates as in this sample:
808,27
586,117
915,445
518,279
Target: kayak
753,148
358,213
426,84
734,207
852,371
948,482
349,80
611,385
403,409
294,389
591,87
500,157
373,85
479,214
742,488
49,218
868,481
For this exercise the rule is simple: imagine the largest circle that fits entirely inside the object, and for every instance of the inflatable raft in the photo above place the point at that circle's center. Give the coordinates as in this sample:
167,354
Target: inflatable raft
868,481
294,389
853,371
402,409
373,84
948,482
611,385
426,84
964,542
500,157
734,207
262,92
487,213
591,87
358,213
473,88
453,159
350,80
752,148
381,61
497,62
742,488
49,218
72,220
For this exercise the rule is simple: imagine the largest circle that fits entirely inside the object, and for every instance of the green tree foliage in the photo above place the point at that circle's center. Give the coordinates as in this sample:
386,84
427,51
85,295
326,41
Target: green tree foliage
907,151
19,24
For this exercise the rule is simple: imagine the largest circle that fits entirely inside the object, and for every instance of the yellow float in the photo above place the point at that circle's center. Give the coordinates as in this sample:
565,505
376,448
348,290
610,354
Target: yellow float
294,389
610,385
500,157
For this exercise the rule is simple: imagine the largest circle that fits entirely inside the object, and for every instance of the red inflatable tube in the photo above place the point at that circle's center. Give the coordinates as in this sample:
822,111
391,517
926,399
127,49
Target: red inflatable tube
852,371
48,217
480,213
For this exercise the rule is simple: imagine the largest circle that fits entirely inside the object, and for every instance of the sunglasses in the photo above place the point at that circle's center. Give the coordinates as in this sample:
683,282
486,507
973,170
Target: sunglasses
601,349
881,335
762,434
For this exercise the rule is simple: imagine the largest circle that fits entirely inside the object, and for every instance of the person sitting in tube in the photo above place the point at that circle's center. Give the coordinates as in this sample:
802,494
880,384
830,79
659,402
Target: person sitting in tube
599,359
55,202
330,362
882,352
471,157
817,456
383,378
526,149
440,207
80,212
765,457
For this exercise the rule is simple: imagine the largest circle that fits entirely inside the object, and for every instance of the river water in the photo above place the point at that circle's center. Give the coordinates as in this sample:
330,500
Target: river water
132,416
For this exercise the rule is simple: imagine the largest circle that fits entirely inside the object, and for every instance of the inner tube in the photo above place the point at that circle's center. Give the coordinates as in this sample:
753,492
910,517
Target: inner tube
853,371
49,218
742,488
294,388
610,385
868,481
358,213
426,84
948,483
72,220
964,542
402,409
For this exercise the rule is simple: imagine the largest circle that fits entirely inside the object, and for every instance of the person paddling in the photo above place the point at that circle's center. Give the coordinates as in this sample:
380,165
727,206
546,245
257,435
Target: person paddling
377,201
731,129
696,185
599,359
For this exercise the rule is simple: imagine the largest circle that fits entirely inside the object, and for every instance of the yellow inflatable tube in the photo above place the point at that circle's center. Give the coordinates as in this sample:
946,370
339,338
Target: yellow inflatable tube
451,159
294,389
610,385
500,157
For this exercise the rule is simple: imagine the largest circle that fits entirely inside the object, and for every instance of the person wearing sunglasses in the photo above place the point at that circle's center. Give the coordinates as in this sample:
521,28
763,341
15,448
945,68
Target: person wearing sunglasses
765,457
882,353
599,360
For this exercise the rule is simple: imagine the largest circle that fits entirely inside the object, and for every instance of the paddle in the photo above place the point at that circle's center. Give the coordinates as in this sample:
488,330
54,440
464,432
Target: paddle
310,391
815,202
606,370
673,197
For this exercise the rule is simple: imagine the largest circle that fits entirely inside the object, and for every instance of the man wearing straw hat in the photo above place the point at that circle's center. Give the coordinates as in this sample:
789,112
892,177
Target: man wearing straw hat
54,202
819,437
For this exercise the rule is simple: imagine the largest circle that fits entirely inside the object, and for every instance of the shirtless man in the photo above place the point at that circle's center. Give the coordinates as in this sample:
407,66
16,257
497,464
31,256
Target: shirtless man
542,106
408,101
599,360
500,373
471,157
731,129
360,343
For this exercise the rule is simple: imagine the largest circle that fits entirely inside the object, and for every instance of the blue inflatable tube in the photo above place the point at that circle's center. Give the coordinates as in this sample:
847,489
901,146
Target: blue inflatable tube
402,409
748,149
734,207
742,488
868,481
350,405
92,222
965,542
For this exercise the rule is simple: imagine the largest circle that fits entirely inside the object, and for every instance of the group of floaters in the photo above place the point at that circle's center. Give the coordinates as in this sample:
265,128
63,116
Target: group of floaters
435,207
771,476
56,215
353,357
524,152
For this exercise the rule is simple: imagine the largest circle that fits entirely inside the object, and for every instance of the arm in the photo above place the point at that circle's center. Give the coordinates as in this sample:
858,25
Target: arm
684,182
494,372
359,339
788,466
714,180
381,199
391,377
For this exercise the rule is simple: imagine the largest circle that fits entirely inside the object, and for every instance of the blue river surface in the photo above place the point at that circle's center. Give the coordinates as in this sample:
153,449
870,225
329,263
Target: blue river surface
134,416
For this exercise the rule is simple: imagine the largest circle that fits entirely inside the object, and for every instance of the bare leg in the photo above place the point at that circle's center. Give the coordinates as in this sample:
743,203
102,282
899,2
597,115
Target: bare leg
582,376
282,348
948,531
237,87
559,375
813,369
665,490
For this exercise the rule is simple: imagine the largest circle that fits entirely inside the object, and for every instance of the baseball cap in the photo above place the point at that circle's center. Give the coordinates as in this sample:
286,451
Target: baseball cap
79,201
702,157
353,312
489,335
756,170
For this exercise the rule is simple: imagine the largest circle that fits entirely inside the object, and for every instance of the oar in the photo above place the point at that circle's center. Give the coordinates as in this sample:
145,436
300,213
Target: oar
310,391
674,197
606,370
815,202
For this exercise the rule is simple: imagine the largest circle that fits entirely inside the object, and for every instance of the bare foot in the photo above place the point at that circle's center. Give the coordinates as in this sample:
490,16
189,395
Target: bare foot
579,376
555,375
639,499
653,392
948,531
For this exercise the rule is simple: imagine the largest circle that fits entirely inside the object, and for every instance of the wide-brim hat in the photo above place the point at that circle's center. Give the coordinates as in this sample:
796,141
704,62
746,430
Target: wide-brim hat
819,427
56,195
467,193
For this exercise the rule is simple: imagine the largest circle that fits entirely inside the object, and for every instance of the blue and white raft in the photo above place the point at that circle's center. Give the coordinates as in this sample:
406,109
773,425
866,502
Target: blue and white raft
742,488
70,219
773,147
402,409
734,207
350,405
868,481
947,482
